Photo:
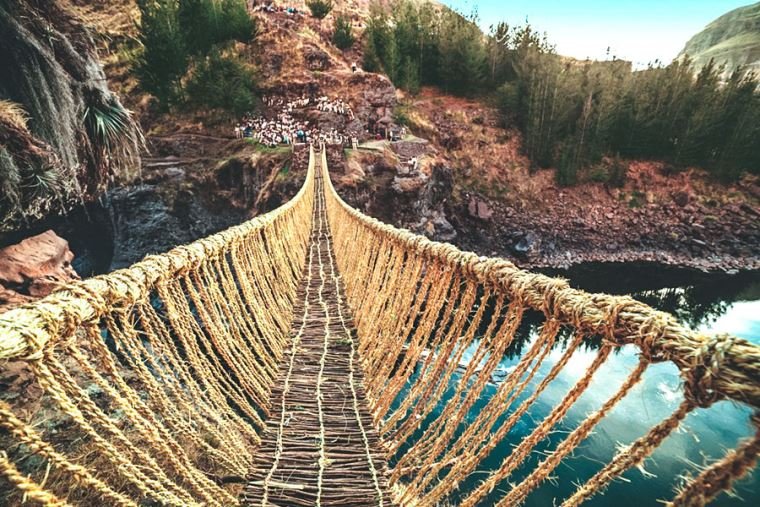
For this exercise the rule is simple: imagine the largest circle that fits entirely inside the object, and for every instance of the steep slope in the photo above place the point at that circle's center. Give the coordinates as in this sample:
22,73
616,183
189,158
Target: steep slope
732,40
63,133
473,184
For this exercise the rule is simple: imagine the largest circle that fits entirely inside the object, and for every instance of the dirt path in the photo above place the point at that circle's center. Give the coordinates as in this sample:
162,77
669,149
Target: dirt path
320,447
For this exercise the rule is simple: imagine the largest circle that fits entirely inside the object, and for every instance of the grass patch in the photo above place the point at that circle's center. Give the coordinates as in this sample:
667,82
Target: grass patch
636,200
268,150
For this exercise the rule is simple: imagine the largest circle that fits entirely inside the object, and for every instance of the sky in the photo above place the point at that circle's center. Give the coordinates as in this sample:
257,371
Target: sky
641,31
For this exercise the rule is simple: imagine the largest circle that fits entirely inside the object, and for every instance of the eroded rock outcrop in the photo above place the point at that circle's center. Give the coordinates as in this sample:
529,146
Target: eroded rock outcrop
34,268
52,75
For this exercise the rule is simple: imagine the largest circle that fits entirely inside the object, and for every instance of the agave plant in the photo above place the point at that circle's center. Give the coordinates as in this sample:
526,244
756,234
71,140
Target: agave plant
114,137
108,125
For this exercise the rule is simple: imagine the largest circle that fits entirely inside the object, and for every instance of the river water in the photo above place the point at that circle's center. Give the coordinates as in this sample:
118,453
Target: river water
709,303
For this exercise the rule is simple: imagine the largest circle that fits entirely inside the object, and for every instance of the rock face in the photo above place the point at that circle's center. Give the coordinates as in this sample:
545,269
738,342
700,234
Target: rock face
51,72
733,39
175,204
405,197
34,268
316,59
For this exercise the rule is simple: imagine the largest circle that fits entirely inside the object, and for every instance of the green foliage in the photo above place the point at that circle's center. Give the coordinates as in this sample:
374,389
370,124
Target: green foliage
574,113
320,8
107,124
567,169
207,23
637,199
378,39
612,173
617,173
224,83
462,57
163,60
416,44
114,140
506,99
235,23
343,36
400,115
178,35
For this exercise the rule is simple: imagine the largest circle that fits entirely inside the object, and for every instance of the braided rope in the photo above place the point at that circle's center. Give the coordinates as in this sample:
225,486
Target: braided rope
184,348
164,369
411,298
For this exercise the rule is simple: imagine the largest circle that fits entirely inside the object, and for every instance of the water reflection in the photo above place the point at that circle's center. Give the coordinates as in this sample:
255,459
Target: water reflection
695,298
713,304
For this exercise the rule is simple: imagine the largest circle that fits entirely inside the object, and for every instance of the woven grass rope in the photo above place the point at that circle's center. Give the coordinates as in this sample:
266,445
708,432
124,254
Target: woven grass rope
160,374
418,305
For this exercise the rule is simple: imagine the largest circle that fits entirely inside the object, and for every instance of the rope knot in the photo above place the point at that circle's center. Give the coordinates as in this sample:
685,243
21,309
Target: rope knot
700,378
552,287
616,306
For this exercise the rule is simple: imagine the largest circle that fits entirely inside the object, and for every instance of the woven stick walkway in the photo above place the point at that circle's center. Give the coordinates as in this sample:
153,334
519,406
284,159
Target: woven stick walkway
237,354
320,447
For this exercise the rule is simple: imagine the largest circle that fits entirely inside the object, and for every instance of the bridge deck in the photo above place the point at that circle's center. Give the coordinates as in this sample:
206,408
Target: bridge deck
320,447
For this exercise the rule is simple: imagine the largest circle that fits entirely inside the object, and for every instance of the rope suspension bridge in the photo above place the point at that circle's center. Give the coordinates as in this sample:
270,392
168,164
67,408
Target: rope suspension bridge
315,356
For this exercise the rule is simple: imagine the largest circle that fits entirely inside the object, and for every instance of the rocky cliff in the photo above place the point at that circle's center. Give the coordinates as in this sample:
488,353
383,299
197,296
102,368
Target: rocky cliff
732,40
63,134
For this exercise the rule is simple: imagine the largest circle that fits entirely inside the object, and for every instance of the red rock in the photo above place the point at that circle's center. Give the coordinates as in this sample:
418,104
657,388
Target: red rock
34,268
479,209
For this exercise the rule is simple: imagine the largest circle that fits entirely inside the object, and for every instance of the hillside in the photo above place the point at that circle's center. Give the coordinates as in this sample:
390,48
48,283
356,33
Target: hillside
732,40
474,185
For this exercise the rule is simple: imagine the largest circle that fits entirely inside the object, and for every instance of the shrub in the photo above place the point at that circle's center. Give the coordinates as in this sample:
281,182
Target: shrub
343,36
163,59
107,125
206,23
637,199
618,173
235,23
567,169
400,116
222,83
319,8
507,99
175,33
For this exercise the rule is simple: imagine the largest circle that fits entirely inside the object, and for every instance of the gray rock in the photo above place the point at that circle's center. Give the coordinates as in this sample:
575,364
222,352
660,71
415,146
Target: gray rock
528,245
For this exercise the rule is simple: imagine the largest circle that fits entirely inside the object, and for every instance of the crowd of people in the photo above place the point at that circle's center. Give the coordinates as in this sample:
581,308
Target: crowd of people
335,106
285,129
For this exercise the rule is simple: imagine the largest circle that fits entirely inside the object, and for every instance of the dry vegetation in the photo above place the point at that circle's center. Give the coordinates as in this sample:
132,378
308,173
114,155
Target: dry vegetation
13,114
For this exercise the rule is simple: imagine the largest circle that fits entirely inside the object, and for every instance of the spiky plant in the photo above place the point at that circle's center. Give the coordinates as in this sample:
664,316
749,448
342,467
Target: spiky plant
30,175
107,125
115,140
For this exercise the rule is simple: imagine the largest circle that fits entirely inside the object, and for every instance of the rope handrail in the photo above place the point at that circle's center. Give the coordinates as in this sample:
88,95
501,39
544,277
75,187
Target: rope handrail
729,366
420,305
159,373
164,371
24,330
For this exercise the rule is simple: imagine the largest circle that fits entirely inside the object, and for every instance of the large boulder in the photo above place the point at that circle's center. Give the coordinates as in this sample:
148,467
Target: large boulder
34,268
479,208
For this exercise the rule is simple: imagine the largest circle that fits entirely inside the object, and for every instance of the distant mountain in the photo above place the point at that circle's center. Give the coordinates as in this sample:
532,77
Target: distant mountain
733,39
